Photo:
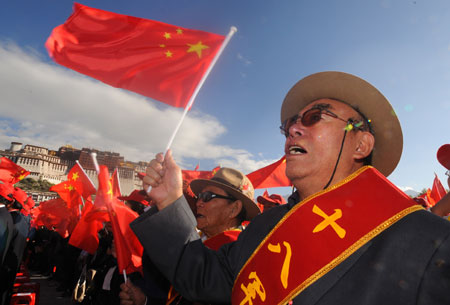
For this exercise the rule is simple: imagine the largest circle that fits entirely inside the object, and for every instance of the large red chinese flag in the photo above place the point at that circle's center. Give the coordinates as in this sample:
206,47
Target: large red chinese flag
155,59
273,175
81,182
10,172
128,249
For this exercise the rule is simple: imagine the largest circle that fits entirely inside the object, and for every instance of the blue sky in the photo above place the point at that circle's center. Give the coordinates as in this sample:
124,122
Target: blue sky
401,47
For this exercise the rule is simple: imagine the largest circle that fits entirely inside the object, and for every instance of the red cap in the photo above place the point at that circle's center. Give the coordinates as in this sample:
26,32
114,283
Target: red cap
136,195
274,198
443,156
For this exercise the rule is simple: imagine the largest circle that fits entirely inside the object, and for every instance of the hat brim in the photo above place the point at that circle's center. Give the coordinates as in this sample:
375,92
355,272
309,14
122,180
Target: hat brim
359,94
443,156
249,205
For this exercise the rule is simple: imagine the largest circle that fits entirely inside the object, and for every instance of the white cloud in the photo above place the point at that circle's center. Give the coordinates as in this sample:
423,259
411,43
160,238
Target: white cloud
406,188
47,105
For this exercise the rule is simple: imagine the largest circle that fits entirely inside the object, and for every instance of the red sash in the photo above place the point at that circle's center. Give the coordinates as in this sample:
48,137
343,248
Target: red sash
318,234
222,238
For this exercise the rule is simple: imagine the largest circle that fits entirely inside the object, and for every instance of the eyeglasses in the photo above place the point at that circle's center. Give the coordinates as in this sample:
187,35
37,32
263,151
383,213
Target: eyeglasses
312,117
208,196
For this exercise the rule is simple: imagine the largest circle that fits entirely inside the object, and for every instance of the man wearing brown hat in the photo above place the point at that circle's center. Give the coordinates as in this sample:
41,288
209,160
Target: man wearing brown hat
346,236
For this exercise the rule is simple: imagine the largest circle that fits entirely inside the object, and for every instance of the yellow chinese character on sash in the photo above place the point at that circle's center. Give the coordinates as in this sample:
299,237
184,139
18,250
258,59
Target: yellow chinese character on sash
287,260
252,289
329,221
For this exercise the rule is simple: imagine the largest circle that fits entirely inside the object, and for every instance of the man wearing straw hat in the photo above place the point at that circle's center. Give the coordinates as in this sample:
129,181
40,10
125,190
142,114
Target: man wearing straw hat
346,236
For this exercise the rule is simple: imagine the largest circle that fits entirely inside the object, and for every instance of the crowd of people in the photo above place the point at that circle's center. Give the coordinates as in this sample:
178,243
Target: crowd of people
346,235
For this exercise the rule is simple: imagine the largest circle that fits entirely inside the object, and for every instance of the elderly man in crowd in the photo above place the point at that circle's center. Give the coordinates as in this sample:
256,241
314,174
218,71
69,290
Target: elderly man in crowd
346,236
223,203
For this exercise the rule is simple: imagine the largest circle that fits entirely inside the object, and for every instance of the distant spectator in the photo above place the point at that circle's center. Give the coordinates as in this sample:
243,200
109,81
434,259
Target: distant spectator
442,207
137,201
267,202
443,156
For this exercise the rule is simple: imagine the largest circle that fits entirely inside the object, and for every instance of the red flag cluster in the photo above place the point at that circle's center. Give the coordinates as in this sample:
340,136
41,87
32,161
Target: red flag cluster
106,208
128,249
431,197
155,59
62,214
55,215
11,173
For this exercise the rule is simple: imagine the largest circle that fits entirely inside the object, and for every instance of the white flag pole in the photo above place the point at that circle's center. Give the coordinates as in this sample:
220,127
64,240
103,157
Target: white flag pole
94,160
233,30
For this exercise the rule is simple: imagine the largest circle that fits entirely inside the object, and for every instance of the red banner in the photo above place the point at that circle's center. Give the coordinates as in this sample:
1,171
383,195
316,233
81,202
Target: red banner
155,59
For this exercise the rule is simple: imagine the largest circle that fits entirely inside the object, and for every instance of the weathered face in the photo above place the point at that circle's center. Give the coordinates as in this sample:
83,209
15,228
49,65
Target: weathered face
312,151
213,217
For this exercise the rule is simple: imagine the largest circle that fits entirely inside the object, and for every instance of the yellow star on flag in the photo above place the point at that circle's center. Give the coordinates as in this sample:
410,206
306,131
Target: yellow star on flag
197,48
21,177
75,176
69,187
167,35
179,31
168,54
110,190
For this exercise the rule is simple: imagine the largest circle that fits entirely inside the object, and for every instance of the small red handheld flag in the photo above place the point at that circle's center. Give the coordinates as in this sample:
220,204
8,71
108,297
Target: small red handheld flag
10,172
273,175
81,182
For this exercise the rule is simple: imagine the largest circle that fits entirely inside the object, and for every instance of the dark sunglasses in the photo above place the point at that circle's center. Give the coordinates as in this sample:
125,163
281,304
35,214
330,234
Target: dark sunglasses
312,117
208,196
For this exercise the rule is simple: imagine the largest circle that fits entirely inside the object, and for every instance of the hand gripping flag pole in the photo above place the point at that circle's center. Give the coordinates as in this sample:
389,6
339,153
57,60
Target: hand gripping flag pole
233,30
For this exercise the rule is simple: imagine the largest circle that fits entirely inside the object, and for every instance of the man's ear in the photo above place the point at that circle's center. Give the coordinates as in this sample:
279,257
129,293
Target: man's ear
365,145
237,207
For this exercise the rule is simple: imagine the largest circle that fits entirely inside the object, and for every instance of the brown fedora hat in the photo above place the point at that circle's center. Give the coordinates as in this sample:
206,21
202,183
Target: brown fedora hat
235,183
359,94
